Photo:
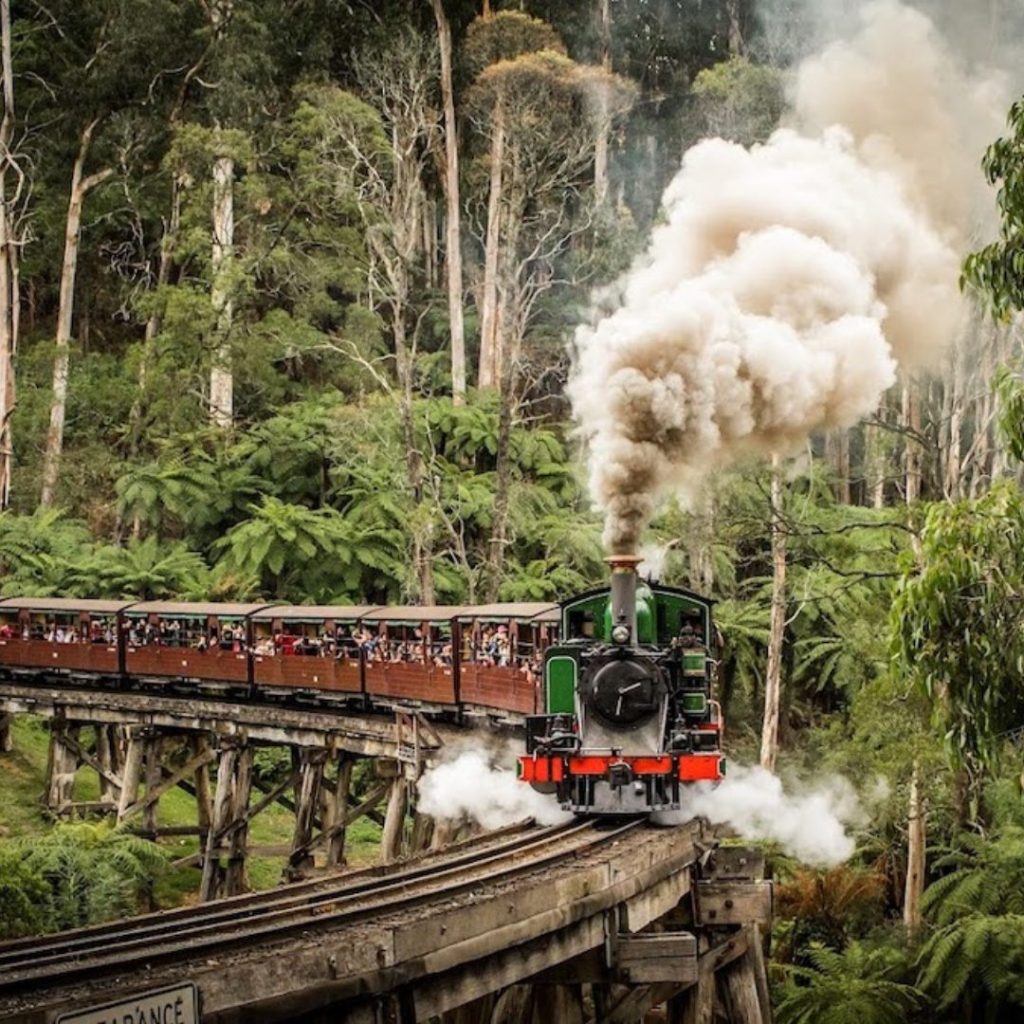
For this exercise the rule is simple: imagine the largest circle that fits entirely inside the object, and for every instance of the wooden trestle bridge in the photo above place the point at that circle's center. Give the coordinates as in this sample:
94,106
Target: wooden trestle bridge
589,923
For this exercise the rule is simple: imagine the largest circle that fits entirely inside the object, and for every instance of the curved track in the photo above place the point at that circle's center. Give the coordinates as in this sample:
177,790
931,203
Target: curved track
185,933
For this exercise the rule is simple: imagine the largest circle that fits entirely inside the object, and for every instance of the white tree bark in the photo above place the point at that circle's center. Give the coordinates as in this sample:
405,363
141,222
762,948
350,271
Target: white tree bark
453,226
736,45
487,376
222,382
80,187
9,301
916,839
604,121
773,674
911,423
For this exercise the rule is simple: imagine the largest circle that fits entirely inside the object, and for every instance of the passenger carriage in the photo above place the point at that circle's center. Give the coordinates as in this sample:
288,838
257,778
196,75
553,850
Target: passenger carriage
408,654
308,647
512,683
65,635
181,640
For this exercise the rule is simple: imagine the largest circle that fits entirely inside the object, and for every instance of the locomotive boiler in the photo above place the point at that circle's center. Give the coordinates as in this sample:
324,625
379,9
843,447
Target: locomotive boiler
629,719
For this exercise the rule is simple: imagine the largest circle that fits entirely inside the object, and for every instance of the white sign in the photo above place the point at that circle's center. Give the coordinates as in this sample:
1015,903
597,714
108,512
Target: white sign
176,1005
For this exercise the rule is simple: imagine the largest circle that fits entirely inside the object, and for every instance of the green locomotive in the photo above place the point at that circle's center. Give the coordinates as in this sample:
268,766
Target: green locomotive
629,719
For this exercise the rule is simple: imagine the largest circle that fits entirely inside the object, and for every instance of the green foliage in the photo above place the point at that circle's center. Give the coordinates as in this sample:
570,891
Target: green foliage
147,570
282,544
957,620
976,952
24,896
856,986
996,271
505,36
1009,383
91,873
739,100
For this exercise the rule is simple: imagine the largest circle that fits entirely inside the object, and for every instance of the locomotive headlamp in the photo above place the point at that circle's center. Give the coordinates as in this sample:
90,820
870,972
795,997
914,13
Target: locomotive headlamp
620,634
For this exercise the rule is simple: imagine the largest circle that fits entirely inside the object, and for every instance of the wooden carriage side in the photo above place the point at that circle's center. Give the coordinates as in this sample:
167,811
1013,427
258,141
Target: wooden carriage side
188,640
60,634
310,647
410,654
512,681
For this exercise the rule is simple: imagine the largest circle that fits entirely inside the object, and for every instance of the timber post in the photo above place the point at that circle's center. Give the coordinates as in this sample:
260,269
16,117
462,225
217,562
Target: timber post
394,817
230,815
62,763
132,774
308,797
154,747
236,877
108,764
335,811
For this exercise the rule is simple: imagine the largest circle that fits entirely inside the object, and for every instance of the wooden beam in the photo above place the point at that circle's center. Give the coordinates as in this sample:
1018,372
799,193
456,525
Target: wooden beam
261,806
734,902
236,878
63,765
371,799
335,812
741,863
132,774
307,797
171,779
210,884
394,821
760,972
633,1005
201,784
652,957
738,989
694,1005
93,762
88,807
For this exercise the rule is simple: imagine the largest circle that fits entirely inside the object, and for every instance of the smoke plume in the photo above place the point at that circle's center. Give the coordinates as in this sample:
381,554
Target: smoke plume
811,825
473,787
790,281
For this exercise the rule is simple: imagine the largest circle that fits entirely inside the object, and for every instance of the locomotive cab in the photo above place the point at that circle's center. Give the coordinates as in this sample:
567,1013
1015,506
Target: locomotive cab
629,718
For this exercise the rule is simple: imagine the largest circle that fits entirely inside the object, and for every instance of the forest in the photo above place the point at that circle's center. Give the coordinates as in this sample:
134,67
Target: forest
288,294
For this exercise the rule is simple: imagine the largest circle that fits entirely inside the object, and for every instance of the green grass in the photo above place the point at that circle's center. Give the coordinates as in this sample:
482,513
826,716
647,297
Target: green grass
22,814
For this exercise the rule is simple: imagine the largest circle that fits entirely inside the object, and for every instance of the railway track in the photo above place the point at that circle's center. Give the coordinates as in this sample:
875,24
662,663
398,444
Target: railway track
188,933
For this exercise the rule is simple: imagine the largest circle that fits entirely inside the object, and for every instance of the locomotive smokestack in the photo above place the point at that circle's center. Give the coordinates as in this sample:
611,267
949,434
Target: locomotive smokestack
624,592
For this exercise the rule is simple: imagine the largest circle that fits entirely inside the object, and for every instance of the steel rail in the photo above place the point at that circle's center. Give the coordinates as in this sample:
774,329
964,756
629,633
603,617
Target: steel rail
294,893
388,896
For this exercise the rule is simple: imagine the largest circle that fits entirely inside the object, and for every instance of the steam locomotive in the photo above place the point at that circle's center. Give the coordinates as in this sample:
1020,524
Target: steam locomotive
628,717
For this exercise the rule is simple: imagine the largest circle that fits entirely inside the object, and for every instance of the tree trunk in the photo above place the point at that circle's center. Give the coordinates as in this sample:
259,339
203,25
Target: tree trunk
773,674
453,225
837,447
734,14
155,321
915,856
604,125
912,447
9,303
496,554
487,377
222,384
80,187
700,544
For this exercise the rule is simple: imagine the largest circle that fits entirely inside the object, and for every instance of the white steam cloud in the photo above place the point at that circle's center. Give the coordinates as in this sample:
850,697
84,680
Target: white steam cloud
789,281
811,824
472,787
